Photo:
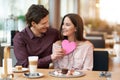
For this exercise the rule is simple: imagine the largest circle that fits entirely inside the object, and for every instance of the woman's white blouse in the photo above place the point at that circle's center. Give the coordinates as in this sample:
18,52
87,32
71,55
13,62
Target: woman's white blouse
81,58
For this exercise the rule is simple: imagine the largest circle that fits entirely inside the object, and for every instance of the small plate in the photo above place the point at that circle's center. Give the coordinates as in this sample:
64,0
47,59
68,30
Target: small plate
23,70
60,75
33,75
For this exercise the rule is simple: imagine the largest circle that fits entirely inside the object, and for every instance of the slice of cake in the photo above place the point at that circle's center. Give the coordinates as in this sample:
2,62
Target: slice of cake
18,68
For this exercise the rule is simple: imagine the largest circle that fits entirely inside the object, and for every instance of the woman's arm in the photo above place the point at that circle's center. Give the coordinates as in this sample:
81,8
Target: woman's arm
88,63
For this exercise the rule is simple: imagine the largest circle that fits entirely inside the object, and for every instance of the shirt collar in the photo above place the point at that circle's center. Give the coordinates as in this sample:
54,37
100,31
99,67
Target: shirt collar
30,33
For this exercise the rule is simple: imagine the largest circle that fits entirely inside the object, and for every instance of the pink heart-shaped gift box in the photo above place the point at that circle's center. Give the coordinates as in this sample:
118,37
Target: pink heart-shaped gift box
68,46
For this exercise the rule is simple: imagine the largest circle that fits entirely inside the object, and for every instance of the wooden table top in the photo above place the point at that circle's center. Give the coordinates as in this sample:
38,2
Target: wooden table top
89,75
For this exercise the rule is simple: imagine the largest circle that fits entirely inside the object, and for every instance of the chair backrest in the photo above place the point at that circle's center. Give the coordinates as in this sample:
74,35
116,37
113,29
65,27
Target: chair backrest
97,36
98,43
100,61
13,33
1,54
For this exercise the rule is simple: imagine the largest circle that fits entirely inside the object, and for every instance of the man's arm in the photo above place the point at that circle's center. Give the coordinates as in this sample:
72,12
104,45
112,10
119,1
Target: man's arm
20,51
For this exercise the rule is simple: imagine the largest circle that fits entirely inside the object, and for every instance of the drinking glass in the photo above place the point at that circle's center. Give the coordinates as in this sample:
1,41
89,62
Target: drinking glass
33,60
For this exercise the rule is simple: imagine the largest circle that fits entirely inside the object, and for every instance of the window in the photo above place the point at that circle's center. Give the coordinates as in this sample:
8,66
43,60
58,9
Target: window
12,16
109,10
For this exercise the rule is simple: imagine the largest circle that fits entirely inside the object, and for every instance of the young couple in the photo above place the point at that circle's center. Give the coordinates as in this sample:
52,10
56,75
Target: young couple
39,39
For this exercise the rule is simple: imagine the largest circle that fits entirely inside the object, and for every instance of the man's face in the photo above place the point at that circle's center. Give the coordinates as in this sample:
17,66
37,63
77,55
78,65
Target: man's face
42,26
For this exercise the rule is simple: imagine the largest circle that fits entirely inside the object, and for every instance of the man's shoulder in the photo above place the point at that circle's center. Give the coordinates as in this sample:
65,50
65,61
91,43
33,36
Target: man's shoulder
53,30
21,33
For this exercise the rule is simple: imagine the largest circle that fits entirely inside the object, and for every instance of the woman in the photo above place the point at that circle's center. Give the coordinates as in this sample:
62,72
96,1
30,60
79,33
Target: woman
81,58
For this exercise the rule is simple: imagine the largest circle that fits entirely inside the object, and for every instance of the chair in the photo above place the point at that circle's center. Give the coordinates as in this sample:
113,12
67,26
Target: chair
13,33
98,43
94,36
1,54
97,40
100,60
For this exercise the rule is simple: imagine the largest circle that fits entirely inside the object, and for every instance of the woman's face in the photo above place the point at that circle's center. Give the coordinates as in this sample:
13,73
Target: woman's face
68,28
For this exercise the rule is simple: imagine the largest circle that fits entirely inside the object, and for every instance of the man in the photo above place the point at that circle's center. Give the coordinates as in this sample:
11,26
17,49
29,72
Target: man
36,39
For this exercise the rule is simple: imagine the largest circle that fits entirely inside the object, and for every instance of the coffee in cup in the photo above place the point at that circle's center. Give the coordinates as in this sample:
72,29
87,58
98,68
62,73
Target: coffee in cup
33,60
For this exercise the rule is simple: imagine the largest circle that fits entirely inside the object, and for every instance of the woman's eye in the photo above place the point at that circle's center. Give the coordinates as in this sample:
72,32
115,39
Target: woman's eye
67,24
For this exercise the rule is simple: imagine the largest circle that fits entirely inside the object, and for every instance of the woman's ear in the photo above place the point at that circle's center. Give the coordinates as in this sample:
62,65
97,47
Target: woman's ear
75,29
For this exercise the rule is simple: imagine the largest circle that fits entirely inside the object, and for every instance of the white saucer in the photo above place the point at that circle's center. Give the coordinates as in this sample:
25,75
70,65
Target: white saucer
33,75
23,70
60,75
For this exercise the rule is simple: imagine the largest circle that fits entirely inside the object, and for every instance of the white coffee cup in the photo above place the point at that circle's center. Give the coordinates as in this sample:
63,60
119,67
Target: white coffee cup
33,60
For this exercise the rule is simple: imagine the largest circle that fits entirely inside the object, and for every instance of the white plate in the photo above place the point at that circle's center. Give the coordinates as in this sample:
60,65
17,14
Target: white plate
23,70
60,75
34,75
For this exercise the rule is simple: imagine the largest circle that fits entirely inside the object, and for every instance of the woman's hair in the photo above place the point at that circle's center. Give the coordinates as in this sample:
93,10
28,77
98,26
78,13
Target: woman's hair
35,13
78,23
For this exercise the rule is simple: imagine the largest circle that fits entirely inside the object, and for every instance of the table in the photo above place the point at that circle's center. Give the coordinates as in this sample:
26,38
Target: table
90,75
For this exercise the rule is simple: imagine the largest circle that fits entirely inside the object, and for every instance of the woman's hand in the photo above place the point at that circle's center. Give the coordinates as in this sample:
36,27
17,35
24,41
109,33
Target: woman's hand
57,54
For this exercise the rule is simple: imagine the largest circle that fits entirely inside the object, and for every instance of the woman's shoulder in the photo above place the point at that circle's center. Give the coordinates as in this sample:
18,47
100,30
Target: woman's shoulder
88,42
85,43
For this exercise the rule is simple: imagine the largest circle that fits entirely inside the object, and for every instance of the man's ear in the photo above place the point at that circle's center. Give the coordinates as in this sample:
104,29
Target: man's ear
33,23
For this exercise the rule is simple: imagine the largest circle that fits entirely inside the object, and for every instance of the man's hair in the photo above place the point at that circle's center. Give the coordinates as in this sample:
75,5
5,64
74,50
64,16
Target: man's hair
35,13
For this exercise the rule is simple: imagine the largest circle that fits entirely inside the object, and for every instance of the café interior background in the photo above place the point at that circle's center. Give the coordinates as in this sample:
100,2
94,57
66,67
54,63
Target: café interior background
98,15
